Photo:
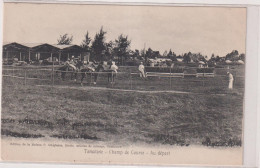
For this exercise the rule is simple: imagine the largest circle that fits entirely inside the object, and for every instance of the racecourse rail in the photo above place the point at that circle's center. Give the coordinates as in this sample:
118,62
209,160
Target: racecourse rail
159,74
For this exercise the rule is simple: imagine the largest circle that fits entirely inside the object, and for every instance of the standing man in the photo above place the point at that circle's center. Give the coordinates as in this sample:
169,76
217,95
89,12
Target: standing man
142,70
113,67
230,81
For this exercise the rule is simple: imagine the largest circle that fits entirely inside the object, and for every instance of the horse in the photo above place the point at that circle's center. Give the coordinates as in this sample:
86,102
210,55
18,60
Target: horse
88,70
94,70
67,68
111,74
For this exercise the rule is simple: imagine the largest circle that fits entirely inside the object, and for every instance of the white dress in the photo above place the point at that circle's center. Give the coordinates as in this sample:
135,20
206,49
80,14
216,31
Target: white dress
231,80
141,70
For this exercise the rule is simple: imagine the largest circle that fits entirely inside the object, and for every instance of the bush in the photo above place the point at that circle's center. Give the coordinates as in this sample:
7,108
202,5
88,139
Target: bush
131,63
164,69
205,70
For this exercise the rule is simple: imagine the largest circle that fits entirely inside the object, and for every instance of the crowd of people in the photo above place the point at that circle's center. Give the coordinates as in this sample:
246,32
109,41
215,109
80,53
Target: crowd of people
141,68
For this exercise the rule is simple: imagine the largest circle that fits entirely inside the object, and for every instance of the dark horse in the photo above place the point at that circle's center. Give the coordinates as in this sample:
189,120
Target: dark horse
67,68
89,70
94,70
111,74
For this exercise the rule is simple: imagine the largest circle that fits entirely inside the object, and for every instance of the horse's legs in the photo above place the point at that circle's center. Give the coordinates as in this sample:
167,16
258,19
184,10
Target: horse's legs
108,77
63,75
82,77
71,75
75,76
113,77
95,78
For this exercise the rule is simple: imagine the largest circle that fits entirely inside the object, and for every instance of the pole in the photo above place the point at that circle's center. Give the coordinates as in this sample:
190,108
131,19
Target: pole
170,77
13,70
203,76
37,76
29,55
112,79
52,73
145,59
131,85
59,57
90,78
24,76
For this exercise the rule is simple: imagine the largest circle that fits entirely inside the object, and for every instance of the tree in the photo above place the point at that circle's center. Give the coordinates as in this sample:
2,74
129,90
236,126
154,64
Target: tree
85,43
148,54
233,56
136,54
242,57
65,39
165,53
121,49
187,57
171,55
217,58
109,50
98,45
143,54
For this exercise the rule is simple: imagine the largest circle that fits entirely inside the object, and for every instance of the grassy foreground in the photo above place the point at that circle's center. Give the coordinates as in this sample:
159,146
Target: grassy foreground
121,117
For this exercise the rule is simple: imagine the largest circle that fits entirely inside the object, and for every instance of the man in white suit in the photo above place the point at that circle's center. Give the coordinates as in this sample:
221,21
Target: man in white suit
230,80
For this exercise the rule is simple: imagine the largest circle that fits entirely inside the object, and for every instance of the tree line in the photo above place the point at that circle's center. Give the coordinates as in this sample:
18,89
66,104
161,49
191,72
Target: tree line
119,50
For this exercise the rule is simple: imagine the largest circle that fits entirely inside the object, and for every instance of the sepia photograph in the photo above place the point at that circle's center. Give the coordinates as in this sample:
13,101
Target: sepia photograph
123,84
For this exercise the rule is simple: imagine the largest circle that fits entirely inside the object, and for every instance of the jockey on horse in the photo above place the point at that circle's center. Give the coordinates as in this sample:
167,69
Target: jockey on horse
71,63
88,69
69,66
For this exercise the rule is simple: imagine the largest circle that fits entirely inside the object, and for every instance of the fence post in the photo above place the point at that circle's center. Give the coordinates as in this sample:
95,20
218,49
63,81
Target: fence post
36,76
52,73
90,78
131,86
203,76
170,77
112,76
25,76
13,70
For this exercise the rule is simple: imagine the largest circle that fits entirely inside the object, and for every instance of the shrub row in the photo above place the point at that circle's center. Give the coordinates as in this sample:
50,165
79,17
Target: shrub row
205,70
164,69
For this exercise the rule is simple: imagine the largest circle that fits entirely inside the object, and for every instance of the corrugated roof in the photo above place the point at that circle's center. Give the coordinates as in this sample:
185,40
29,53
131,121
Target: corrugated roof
62,46
31,45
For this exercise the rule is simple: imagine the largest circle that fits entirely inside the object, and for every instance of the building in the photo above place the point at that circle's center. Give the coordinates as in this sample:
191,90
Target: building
15,50
43,51
67,51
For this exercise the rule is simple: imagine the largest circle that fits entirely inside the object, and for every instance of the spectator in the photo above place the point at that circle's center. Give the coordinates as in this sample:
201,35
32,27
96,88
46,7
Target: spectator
113,67
172,65
230,81
142,70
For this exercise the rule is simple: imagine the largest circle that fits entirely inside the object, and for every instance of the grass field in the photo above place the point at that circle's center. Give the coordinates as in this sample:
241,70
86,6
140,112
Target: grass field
206,112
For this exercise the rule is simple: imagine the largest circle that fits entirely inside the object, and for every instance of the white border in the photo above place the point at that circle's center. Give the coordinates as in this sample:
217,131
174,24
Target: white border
252,101
250,117
178,2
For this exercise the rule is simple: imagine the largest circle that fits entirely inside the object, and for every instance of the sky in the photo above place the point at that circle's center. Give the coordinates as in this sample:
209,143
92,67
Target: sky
207,30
